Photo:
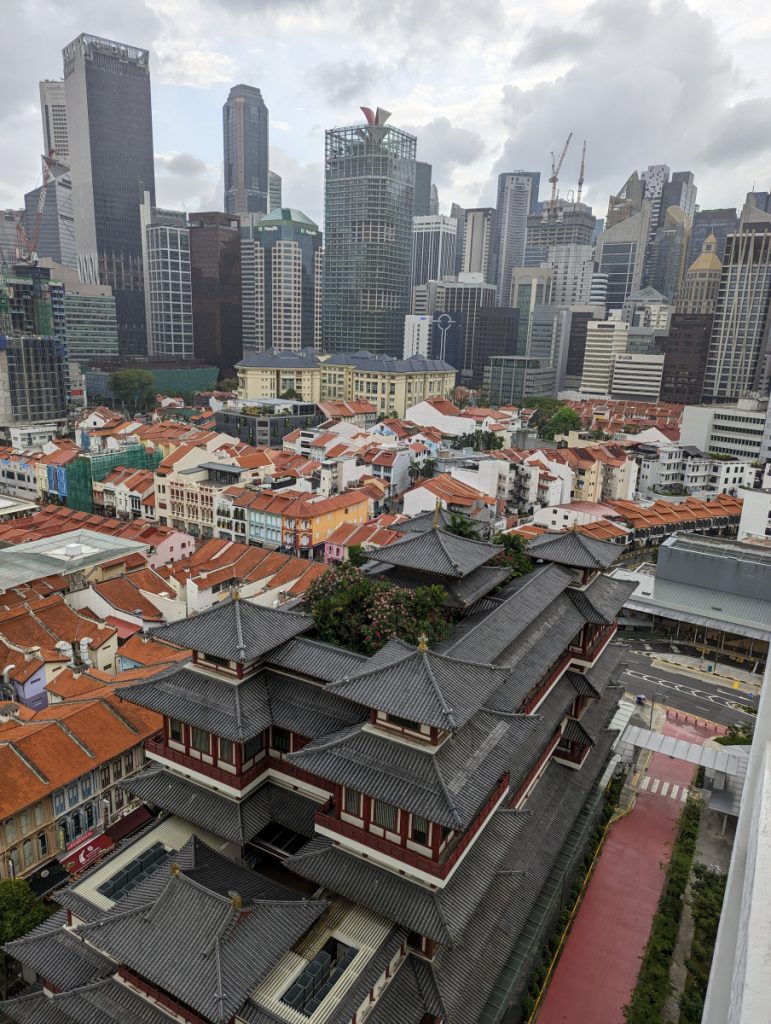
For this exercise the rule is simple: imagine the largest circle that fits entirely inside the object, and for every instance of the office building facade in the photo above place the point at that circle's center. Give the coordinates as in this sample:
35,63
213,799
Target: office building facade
720,223
459,216
369,196
245,151
620,254
685,349
215,272
701,281
497,335
517,200
462,299
274,191
530,287
605,339
422,194
637,377
479,244
557,223
168,285
56,240
53,107
281,282
107,87
33,389
433,248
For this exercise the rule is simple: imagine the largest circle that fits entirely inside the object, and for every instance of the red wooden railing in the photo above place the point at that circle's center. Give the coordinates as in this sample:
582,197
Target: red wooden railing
158,746
546,683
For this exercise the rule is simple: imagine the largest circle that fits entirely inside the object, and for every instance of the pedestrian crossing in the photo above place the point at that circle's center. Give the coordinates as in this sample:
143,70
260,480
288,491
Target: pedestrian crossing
668,790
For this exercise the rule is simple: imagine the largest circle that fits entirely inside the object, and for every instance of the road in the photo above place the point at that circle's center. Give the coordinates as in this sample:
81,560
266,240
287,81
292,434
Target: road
714,701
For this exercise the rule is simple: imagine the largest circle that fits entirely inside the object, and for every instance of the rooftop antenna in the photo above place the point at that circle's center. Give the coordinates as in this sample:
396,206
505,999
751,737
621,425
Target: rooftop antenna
581,173
555,167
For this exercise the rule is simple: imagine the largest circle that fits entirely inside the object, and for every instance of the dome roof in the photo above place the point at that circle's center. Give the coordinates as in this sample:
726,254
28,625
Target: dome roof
286,213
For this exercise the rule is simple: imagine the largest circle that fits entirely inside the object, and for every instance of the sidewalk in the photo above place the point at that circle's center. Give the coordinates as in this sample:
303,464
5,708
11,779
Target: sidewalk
727,675
598,969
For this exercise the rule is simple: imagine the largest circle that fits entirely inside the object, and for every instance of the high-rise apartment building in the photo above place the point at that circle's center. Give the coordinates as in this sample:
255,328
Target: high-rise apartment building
701,282
280,282
168,283
245,146
274,191
422,194
53,107
478,243
738,358
517,200
605,339
110,126
433,248
620,253
215,271
369,185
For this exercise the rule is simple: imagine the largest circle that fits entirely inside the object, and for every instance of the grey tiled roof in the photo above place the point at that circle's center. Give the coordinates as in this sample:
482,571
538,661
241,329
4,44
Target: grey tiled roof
200,947
570,547
461,592
602,600
594,680
237,629
57,956
447,785
424,521
238,822
236,710
422,686
576,733
411,998
441,914
437,552
316,659
309,710
104,1002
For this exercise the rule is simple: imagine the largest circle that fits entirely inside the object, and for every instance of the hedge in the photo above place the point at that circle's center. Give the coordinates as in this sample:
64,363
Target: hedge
706,901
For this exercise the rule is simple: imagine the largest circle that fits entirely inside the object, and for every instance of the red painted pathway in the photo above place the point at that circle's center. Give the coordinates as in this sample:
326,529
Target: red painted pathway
598,968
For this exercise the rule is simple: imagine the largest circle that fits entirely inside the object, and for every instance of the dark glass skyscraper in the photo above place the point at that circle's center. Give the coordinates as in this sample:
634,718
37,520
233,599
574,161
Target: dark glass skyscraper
110,125
215,271
245,139
369,183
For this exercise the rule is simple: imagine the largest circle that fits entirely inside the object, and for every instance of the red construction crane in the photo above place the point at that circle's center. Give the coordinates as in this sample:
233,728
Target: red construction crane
29,242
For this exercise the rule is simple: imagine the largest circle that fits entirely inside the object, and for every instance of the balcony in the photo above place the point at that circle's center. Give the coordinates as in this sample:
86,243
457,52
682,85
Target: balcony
157,745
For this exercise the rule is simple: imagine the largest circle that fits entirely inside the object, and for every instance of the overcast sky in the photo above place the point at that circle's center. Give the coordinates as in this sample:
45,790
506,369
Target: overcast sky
486,85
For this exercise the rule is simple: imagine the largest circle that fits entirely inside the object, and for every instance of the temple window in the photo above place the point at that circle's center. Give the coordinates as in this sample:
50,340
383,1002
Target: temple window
385,815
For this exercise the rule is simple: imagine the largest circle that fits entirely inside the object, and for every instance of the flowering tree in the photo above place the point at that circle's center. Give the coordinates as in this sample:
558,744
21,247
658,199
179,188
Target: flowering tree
362,614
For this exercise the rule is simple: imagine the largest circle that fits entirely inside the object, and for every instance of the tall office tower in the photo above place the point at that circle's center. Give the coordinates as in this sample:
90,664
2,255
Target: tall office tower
664,193
701,281
530,287
557,223
605,339
679,191
548,339
110,127
496,336
720,223
576,329
433,248
758,201
167,277
572,267
459,215
9,219
738,357
433,206
280,264
669,251
369,183
685,350
53,107
478,238
599,293
647,308
517,200
215,272
620,253
57,224
422,195
245,142
463,298
417,335
653,181
627,203
274,191
90,324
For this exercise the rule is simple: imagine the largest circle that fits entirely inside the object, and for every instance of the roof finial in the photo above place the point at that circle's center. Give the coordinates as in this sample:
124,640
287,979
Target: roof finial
175,870
235,900
437,510
422,642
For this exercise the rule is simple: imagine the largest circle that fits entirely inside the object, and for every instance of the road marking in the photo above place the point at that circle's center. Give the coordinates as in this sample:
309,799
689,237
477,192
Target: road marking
673,794
665,789
655,786
684,795
646,782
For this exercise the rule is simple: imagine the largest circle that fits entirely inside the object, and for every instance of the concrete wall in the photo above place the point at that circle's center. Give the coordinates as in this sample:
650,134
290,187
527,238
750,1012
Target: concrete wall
719,570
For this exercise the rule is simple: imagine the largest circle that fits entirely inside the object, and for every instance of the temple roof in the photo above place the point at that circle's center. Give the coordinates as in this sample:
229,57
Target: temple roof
423,686
462,592
237,630
437,552
103,1002
58,956
602,600
207,950
575,549
594,681
316,659
425,521
411,998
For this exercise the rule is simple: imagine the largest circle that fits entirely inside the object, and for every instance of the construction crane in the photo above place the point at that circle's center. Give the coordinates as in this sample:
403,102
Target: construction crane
581,173
27,241
555,167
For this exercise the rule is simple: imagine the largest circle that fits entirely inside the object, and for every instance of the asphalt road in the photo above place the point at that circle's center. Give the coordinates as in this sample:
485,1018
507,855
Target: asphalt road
716,702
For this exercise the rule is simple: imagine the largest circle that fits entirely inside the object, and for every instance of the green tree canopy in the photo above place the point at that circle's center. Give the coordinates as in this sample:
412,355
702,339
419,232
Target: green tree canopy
227,384
20,912
354,611
134,390
563,421
291,394
513,556
545,406
462,526
480,441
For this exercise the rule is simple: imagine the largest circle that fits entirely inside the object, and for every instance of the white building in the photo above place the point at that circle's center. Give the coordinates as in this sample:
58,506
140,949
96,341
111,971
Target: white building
417,334
572,268
605,339
755,522
434,240
167,281
726,429
636,377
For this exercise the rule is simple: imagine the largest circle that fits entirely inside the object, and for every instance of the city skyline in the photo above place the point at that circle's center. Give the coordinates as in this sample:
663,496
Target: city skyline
523,100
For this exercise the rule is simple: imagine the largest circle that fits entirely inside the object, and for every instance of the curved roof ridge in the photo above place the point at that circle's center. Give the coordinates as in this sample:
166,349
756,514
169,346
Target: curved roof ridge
448,711
443,786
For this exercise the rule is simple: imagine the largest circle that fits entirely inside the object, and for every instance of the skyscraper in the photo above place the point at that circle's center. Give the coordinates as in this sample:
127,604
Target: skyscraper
280,282
738,357
459,214
168,289
56,240
422,197
369,182
701,282
274,191
557,223
215,271
720,223
433,248
669,251
517,199
479,243
53,107
620,253
245,141
110,126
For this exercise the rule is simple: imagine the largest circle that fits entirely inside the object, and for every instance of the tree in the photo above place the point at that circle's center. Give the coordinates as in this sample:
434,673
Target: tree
354,611
20,912
133,390
480,441
429,465
356,555
514,556
545,407
227,384
291,394
563,421
462,526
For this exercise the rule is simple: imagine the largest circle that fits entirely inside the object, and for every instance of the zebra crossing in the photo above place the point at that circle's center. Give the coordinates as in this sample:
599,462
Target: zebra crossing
668,790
